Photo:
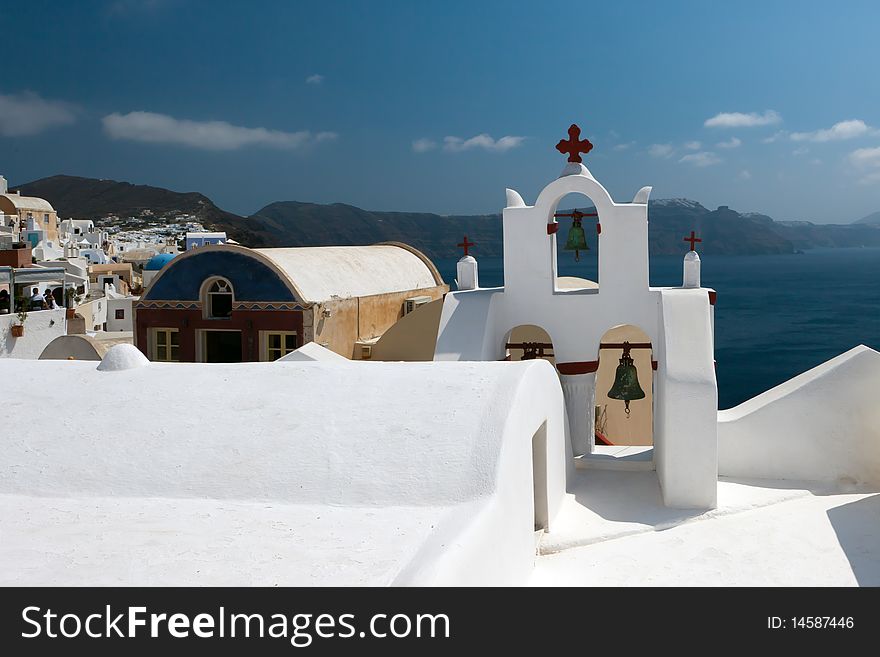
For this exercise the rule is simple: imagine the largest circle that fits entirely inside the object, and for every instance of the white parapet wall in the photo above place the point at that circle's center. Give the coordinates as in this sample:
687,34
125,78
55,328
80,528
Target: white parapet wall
40,328
375,473
686,399
823,425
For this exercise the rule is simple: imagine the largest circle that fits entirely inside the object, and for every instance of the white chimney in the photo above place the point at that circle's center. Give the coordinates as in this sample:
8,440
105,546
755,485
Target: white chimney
4,187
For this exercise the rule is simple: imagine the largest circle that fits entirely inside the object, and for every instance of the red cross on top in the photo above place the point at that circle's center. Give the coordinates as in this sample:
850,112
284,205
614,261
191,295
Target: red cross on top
574,146
693,239
466,245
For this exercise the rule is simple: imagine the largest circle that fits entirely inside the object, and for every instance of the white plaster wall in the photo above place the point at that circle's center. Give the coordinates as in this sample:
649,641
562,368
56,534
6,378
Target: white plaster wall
474,324
94,312
686,402
823,425
453,435
125,304
504,521
580,400
40,328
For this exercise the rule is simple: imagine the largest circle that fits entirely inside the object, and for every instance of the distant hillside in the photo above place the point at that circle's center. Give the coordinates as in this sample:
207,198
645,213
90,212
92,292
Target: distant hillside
293,223
873,218
722,231
300,224
90,198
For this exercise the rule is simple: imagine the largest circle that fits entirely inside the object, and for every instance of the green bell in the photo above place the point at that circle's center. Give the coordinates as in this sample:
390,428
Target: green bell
577,239
626,380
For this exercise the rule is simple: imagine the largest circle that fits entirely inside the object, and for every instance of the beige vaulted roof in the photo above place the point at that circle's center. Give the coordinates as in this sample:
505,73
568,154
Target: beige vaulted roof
322,272
26,203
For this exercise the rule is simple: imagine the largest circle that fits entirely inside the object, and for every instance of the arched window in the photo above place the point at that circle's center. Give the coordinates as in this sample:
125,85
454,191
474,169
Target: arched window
219,301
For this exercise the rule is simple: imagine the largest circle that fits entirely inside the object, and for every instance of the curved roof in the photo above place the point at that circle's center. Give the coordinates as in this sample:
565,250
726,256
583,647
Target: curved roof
304,274
158,261
323,272
253,276
28,203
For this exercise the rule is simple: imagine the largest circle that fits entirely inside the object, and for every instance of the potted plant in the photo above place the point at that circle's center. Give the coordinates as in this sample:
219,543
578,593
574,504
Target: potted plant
70,302
18,329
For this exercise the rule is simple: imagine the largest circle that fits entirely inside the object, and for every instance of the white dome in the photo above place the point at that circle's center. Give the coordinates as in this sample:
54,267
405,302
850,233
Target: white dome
123,357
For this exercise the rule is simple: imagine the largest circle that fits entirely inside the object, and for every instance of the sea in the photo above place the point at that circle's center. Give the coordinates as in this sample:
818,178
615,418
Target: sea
776,315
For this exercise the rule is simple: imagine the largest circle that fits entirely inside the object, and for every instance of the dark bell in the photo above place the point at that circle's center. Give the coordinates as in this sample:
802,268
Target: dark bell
577,239
626,382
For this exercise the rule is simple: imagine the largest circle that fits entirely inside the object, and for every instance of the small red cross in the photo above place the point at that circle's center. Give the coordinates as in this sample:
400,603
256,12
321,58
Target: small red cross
466,245
692,239
574,146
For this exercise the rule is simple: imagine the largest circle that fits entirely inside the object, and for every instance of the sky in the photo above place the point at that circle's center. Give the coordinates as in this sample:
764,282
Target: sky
764,106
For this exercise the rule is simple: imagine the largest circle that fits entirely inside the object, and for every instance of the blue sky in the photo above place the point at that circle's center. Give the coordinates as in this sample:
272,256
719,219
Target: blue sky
438,106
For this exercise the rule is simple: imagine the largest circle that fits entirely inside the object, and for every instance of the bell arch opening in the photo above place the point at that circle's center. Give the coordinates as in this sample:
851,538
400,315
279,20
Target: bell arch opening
624,411
576,249
528,342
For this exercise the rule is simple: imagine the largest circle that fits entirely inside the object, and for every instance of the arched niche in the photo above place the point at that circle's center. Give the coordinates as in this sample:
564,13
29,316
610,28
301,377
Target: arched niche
613,426
576,270
528,341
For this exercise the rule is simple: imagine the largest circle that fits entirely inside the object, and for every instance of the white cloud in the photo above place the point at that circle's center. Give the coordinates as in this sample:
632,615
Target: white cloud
745,174
692,145
780,134
484,141
870,178
867,159
733,142
424,145
816,161
623,147
701,159
803,150
27,114
317,78
741,120
207,135
838,132
661,150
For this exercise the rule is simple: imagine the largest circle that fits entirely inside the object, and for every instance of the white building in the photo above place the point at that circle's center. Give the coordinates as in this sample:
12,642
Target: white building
120,314
77,228
95,255
25,332
194,240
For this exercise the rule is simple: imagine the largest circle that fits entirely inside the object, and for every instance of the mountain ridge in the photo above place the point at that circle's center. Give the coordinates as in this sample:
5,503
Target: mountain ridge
301,223
873,218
